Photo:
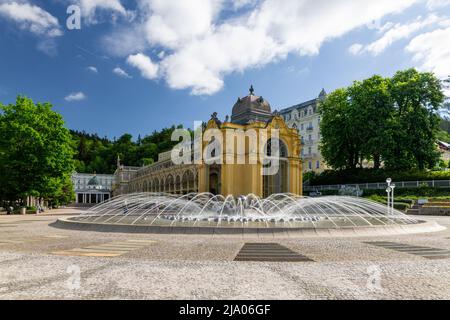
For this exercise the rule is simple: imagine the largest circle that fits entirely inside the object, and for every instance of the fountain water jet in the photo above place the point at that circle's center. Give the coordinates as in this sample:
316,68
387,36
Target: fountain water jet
208,213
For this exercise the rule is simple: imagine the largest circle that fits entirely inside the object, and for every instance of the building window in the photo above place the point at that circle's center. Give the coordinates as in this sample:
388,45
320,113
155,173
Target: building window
301,126
309,150
310,165
278,183
317,164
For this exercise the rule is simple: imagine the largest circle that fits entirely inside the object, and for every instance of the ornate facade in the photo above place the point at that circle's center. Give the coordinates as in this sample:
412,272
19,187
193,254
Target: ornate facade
92,188
236,171
305,117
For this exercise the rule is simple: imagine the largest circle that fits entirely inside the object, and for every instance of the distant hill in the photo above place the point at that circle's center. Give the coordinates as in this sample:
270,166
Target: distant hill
96,154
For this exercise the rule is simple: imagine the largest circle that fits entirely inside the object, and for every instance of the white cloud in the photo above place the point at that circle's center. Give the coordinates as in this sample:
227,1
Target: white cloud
432,52
92,69
202,46
148,69
48,46
175,22
90,8
447,92
31,18
395,33
436,4
76,96
124,42
356,49
121,73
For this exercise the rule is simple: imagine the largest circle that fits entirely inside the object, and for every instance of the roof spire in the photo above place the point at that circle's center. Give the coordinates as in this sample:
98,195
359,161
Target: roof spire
322,93
251,90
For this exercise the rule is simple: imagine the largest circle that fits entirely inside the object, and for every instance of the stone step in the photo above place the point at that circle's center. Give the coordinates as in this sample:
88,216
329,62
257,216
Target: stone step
413,211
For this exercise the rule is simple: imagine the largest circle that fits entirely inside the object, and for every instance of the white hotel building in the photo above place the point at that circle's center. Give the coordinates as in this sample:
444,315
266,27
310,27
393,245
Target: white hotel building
91,189
306,118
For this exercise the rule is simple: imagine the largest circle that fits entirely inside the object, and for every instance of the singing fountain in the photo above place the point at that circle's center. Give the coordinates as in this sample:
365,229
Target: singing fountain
205,213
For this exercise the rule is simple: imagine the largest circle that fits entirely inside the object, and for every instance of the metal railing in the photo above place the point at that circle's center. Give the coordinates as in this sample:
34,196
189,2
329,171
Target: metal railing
382,185
309,156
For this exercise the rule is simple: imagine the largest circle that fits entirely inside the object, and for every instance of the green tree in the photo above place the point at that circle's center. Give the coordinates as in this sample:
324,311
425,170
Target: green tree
95,154
385,120
341,146
417,97
36,151
372,116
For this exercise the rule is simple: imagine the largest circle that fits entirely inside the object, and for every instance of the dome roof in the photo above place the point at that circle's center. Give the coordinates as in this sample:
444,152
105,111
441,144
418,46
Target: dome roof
93,181
251,102
251,107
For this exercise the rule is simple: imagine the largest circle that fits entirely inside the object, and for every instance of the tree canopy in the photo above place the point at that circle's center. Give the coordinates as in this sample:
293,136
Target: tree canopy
36,152
95,154
383,120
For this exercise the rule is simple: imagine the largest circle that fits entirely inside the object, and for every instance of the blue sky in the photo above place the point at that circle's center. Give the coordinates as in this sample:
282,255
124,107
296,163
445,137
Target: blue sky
137,66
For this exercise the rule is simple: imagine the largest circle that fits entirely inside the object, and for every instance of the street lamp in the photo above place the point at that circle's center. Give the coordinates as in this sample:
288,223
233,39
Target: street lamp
388,190
390,195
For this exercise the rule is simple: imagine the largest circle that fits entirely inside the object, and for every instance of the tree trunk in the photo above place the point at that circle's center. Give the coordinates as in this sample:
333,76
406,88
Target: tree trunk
376,161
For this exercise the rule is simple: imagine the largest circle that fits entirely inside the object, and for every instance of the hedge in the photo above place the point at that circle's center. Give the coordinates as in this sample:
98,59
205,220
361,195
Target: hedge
401,206
331,177
413,193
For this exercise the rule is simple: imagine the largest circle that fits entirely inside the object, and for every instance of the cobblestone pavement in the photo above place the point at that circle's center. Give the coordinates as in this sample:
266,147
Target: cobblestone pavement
38,261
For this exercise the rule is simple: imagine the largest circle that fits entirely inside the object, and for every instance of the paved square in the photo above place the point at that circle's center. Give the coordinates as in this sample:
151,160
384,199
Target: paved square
38,261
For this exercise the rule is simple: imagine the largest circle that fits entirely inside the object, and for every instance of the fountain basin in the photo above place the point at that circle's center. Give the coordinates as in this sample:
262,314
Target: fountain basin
280,214
271,231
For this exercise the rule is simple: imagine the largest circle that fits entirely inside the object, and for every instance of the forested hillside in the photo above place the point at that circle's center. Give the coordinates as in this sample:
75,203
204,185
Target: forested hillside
96,154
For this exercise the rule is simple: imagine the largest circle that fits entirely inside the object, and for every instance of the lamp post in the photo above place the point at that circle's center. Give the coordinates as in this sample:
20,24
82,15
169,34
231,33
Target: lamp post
390,191
392,197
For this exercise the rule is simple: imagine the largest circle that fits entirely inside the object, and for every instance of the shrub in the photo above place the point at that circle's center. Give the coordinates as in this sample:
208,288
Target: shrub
408,201
412,193
439,200
401,206
377,198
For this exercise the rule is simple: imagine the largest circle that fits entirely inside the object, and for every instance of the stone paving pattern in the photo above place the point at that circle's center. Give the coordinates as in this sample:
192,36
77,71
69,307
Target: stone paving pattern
202,267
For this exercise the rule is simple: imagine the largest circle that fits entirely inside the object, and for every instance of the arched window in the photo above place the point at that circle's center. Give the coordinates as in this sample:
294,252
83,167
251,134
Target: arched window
278,147
276,180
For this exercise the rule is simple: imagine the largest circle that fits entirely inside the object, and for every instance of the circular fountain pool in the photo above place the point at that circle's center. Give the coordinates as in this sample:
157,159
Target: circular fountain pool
206,213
